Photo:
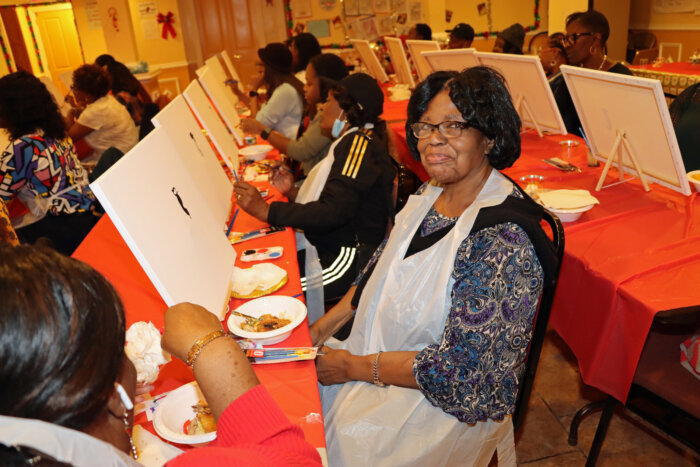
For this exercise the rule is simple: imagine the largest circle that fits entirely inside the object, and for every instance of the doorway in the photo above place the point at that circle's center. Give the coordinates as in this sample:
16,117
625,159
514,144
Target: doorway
58,42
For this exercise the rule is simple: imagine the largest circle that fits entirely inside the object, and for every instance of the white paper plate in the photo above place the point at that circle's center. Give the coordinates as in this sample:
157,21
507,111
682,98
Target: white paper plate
570,215
277,305
256,152
694,181
174,410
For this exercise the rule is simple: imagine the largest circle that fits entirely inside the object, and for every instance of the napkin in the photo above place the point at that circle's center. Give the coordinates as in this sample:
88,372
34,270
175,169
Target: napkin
400,92
144,351
261,276
152,450
567,199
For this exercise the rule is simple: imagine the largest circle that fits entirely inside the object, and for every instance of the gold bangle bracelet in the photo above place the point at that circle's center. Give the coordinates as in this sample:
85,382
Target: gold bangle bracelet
200,344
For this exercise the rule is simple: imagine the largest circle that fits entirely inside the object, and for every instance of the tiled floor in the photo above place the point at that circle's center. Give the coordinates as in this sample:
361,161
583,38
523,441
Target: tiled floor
557,394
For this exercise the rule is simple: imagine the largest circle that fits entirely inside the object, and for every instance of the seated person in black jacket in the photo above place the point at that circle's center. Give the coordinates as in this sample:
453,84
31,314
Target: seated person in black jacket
345,203
685,113
585,44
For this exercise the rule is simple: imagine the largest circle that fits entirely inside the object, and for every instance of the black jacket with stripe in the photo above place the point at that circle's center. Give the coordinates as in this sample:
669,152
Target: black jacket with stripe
355,204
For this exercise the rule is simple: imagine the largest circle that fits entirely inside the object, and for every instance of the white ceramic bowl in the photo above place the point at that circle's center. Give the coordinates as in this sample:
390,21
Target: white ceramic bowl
277,305
174,410
570,215
256,152
694,179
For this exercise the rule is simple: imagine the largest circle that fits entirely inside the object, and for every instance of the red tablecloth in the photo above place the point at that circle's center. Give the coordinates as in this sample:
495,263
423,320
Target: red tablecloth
292,385
626,259
681,68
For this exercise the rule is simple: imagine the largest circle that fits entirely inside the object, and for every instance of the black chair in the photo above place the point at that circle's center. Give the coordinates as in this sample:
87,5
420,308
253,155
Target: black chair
541,321
662,392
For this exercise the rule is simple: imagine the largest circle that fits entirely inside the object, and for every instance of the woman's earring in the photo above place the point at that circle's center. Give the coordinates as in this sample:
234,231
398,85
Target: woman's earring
127,428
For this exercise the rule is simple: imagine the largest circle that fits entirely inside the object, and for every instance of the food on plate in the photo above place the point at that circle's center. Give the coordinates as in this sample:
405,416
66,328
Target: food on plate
256,281
263,323
203,422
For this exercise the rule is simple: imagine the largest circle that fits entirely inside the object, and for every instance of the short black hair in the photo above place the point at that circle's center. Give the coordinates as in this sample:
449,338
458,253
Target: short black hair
592,20
92,80
122,79
482,98
307,47
27,106
425,32
61,337
328,66
104,59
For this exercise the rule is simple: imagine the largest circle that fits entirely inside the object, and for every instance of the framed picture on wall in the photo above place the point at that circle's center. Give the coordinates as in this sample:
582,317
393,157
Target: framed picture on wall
382,6
300,8
415,12
366,7
351,7
319,28
385,25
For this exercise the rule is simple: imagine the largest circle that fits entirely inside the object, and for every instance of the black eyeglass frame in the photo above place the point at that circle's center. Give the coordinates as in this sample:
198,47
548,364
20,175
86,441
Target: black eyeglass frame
571,39
441,128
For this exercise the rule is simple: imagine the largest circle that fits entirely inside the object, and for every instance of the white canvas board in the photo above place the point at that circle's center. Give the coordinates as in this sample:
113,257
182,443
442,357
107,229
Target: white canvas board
207,116
57,97
416,48
157,208
217,93
196,153
610,102
451,59
369,58
214,66
231,69
400,62
526,80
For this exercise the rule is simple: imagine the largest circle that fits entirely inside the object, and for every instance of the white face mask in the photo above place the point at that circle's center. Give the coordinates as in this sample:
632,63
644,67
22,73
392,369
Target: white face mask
338,126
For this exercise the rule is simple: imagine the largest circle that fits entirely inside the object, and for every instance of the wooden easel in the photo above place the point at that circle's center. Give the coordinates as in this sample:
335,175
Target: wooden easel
617,151
522,107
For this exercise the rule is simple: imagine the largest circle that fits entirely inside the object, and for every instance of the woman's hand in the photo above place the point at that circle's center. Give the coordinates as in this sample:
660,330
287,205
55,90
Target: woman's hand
249,199
332,368
184,324
251,126
282,179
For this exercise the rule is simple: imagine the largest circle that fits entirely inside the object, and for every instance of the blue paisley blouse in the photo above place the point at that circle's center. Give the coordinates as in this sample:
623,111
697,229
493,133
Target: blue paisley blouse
475,370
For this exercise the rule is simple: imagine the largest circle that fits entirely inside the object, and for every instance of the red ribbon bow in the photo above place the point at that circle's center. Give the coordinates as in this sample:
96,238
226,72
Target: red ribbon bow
167,22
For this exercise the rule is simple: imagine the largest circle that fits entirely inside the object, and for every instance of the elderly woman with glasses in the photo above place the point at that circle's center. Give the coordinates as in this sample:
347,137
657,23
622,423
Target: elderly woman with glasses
585,44
445,309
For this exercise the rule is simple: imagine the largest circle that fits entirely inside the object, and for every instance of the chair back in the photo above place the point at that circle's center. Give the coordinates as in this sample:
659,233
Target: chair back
541,320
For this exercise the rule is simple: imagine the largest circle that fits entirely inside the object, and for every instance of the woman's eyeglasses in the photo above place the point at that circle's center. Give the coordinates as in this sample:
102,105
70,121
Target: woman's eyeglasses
572,38
449,129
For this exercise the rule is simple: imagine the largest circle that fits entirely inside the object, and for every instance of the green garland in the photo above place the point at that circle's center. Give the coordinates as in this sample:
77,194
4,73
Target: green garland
8,60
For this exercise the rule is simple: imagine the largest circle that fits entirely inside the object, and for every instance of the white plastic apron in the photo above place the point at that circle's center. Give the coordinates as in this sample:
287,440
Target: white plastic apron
404,306
313,271
38,206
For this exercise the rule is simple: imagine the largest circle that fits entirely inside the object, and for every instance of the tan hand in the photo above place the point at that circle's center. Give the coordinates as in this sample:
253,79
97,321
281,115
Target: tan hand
282,179
251,126
184,324
332,368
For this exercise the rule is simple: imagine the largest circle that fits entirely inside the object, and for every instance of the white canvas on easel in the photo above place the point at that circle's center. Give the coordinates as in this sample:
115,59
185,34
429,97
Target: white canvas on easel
197,154
416,47
628,125
398,58
157,208
231,69
529,90
207,116
451,59
216,89
214,66
369,58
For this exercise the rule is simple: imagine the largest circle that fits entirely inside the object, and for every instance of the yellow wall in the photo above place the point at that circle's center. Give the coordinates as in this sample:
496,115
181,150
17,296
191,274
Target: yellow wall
681,28
559,10
617,12
93,41
158,50
503,15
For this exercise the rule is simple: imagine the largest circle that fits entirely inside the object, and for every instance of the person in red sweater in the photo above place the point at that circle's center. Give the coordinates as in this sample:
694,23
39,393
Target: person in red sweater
68,385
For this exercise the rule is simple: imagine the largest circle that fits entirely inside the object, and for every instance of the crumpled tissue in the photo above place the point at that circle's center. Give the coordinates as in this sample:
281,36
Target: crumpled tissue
144,350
